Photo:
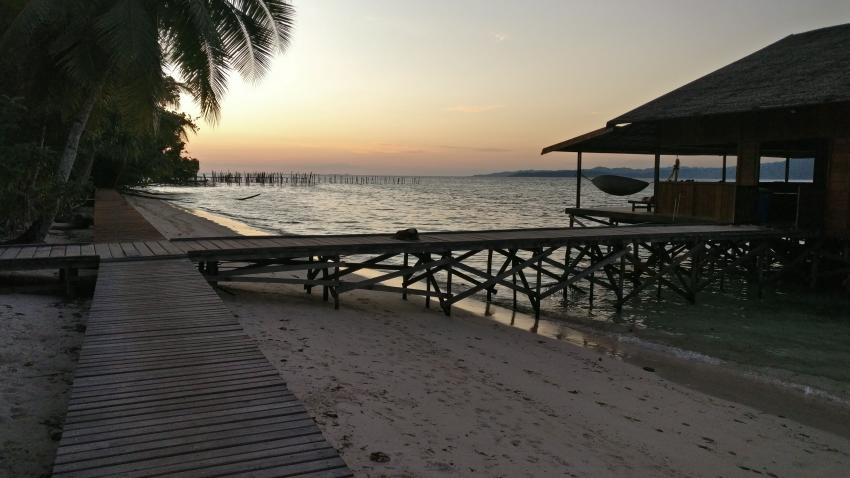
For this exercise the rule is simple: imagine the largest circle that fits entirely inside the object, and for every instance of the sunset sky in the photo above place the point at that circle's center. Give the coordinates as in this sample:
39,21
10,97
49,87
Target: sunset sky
462,87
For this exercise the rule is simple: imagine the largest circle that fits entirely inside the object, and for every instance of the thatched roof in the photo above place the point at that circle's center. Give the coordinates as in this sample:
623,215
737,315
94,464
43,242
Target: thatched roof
631,139
641,139
805,69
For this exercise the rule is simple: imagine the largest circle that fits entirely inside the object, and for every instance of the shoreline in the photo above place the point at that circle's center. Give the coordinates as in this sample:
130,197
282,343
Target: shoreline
707,374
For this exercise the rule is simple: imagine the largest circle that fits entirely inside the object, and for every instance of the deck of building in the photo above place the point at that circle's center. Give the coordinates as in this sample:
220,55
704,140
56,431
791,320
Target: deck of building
626,215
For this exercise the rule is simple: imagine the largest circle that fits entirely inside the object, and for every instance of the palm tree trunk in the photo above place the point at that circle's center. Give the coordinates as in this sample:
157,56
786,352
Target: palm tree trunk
69,157
84,171
72,145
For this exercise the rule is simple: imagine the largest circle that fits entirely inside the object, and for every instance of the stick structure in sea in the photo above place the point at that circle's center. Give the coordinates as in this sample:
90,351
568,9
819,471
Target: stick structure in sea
298,179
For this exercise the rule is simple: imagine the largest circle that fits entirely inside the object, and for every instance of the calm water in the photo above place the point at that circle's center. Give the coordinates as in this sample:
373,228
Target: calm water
436,204
794,336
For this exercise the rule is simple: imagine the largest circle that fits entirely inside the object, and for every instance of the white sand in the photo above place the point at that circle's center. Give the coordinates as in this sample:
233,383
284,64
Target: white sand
39,343
464,396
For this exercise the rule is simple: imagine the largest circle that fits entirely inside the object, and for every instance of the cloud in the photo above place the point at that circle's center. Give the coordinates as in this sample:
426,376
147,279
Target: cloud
384,149
499,37
473,108
477,149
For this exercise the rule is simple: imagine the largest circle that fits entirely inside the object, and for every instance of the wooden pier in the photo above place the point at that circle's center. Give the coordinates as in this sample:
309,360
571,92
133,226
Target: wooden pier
451,266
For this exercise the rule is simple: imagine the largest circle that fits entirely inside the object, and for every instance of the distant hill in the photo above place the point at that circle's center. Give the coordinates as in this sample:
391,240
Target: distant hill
801,169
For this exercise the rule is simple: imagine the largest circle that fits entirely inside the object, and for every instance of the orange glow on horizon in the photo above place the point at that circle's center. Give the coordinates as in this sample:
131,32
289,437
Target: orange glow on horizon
380,86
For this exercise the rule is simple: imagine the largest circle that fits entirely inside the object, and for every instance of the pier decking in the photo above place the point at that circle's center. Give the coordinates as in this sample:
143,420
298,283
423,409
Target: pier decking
683,258
168,383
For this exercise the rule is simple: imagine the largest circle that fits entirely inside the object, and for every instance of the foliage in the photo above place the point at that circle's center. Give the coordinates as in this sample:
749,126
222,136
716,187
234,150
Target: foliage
125,45
29,183
125,157
76,62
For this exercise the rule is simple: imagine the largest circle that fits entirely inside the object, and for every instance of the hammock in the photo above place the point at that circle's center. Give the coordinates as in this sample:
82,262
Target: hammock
618,185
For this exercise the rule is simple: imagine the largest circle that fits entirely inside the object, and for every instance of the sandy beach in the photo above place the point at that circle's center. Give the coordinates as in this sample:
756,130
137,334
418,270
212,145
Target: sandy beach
405,391
41,338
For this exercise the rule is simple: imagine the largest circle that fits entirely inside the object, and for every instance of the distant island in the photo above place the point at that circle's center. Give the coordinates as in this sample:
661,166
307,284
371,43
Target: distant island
801,170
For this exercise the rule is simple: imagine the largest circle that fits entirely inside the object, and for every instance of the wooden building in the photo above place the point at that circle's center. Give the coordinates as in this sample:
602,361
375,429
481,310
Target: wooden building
788,100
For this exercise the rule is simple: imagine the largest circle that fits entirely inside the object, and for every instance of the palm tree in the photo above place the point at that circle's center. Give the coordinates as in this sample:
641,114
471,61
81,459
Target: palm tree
121,49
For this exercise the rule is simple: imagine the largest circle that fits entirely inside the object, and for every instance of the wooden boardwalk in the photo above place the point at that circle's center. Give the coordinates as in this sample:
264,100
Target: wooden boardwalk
117,221
46,256
169,384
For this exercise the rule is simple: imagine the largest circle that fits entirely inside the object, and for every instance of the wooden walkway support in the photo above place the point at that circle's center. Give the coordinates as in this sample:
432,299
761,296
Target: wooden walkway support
535,263
168,383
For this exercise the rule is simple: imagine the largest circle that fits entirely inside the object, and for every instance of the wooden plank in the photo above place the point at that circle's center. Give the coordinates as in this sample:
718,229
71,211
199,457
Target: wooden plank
26,252
156,248
129,249
159,386
142,460
42,251
280,434
143,249
103,250
10,252
133,412
58,250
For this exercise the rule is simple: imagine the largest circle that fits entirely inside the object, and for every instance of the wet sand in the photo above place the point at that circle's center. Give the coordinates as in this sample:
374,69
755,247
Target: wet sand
466,396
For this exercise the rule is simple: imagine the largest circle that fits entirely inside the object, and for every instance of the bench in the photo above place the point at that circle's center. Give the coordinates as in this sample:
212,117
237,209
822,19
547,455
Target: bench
645,203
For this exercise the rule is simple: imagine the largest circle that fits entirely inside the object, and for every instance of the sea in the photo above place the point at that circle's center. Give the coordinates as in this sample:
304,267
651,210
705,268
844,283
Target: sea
792,335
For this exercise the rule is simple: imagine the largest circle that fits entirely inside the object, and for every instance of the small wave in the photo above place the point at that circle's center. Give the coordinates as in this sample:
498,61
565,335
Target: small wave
668,349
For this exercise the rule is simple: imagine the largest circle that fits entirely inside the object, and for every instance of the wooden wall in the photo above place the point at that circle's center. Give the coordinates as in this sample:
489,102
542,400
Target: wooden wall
713,201
837,203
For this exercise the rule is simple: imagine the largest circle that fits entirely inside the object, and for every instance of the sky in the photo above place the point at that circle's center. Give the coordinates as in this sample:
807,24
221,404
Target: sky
473,86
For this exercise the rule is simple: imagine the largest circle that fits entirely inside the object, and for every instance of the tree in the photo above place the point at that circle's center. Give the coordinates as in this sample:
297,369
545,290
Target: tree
120,50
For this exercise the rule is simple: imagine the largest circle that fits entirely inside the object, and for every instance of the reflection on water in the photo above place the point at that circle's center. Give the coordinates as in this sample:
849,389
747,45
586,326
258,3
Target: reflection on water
795,337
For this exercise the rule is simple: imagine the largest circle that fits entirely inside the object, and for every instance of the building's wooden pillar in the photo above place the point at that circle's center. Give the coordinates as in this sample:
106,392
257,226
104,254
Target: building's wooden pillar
723,173
656,177
749,156
787,168
578,179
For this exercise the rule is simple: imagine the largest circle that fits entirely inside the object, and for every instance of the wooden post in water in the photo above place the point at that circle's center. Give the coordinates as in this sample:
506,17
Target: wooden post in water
325,288
489,274
310,276
404,279
621,281
335,291
448,307
427,257
537,289
567,259
513,264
